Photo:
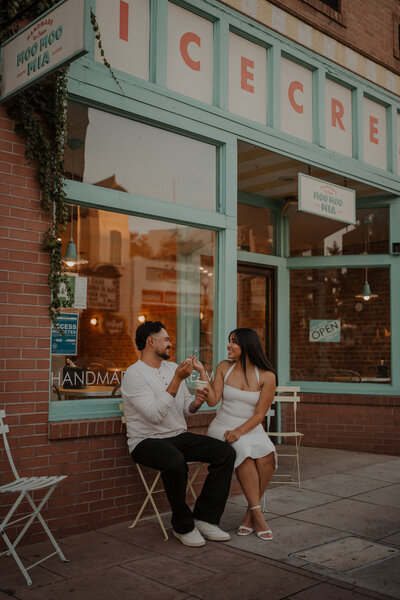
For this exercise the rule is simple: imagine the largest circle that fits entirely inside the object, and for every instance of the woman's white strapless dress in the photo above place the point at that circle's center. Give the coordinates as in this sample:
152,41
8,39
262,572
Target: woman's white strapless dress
238,406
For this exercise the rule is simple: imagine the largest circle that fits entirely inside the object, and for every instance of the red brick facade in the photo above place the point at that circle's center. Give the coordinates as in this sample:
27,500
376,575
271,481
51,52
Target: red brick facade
102,487
368,27
349,422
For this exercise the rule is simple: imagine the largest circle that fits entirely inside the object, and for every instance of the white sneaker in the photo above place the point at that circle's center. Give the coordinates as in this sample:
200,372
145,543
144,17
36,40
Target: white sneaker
192,538
212,532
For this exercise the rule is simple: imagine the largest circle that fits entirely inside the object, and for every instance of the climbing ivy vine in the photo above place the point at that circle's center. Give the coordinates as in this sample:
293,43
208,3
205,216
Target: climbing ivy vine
40,116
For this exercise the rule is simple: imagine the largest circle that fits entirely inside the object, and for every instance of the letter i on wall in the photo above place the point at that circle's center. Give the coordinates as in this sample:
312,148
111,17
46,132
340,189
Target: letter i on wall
125,30
123,20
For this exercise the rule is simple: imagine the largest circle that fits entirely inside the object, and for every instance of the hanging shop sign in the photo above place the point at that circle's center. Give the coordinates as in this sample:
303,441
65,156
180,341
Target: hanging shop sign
321,198
64,337
57,37
324,330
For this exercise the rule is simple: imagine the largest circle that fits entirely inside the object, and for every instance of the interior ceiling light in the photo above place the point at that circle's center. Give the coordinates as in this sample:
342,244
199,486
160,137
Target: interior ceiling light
71,258
366,293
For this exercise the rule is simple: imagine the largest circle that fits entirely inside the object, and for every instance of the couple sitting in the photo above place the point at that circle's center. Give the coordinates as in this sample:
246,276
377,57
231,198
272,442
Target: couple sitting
156,401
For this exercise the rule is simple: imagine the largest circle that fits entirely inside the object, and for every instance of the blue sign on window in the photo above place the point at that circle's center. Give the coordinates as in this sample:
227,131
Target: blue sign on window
67,343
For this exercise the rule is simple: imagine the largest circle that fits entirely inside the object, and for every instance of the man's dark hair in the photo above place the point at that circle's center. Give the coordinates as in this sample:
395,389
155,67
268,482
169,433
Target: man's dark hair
146,329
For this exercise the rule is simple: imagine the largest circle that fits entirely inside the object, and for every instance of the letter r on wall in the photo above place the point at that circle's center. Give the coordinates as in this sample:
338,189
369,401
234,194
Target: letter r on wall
337,113
186,39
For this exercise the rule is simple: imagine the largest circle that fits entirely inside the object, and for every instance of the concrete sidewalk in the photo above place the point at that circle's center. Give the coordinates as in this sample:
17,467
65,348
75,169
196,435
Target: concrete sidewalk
337,539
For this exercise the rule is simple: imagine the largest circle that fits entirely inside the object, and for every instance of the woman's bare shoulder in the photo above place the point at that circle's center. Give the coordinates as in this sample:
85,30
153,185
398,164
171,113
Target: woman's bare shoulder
224,365
268,378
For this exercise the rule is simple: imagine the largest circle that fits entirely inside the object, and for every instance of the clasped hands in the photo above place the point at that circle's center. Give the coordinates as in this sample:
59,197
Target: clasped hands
232,435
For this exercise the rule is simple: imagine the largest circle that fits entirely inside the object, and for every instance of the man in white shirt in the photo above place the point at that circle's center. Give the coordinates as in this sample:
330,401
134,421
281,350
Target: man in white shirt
156,401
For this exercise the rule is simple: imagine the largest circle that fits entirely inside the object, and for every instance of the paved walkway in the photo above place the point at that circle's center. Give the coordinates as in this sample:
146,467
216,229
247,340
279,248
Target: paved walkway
337,539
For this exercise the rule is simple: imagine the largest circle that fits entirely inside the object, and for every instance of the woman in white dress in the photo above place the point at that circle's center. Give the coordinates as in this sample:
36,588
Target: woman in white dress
246,382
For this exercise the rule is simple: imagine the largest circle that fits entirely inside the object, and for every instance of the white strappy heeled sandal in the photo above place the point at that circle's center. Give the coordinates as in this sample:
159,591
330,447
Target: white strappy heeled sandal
261,534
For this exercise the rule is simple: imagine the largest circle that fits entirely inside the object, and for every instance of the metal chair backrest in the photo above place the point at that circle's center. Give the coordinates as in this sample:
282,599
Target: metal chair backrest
4,430
344,375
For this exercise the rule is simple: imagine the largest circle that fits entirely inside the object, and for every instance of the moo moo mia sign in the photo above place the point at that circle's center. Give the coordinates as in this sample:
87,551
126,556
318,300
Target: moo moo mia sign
326,200
55,38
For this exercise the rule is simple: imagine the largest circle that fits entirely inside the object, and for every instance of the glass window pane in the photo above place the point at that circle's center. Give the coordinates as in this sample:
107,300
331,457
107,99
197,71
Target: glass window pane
335,334
165,273
256,229
311,235
125,155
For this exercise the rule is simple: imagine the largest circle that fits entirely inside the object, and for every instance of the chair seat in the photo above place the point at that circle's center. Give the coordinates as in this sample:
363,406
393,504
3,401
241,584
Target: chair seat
23,486
30,483
286,433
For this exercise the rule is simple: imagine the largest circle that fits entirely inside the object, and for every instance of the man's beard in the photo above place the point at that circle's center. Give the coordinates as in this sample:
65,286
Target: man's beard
163,355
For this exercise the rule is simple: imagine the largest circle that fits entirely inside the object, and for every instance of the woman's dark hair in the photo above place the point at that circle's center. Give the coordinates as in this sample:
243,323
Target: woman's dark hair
146,329
252,349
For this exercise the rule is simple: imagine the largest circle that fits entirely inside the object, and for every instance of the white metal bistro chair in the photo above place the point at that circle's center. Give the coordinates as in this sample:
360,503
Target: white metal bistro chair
288,396
24,486
151,489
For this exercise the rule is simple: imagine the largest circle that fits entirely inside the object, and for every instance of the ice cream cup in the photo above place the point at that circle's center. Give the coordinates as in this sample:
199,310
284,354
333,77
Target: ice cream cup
200,384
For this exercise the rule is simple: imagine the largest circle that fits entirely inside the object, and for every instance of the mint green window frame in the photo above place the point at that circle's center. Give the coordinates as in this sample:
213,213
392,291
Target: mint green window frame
90,82
93,196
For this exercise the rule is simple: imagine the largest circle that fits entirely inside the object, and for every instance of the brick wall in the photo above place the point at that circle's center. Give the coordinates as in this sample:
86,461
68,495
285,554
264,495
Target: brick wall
348,422
365,25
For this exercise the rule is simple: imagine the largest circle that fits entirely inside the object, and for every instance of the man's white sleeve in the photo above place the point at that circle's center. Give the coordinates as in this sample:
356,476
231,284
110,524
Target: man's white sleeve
137,391
188,399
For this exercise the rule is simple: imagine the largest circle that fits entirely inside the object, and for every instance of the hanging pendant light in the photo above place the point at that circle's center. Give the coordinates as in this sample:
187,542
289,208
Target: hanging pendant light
366,293
71,258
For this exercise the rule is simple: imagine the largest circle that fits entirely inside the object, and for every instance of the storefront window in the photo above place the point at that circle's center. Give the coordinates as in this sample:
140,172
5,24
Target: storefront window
128,156
151,271
256,229
311,235
336,333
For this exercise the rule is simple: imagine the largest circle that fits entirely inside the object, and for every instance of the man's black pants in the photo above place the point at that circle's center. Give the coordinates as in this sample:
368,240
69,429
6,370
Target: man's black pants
170,456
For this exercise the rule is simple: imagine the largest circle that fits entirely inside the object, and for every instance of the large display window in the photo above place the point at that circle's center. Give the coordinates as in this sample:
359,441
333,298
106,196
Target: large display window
125,155
311,235
340,330
136,269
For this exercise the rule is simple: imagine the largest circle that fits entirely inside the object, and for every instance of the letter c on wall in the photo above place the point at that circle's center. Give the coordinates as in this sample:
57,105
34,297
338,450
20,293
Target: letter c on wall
186,39
295,85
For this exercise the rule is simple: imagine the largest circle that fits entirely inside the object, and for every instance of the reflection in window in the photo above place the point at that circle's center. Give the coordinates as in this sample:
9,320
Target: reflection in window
165,272
115,247
127,156
335,335
311,235
256,229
